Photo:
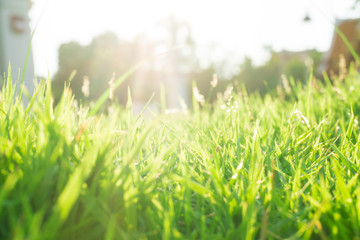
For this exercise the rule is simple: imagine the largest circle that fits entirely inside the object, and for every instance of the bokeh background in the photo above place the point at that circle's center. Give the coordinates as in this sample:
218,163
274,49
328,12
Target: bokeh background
240,43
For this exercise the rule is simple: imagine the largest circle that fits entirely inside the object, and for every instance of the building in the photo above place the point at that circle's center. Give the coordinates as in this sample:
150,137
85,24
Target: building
351,30
329,62
15,38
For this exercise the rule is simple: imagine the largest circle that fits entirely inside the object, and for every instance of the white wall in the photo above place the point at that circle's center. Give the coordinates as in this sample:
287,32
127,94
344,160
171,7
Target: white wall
14,44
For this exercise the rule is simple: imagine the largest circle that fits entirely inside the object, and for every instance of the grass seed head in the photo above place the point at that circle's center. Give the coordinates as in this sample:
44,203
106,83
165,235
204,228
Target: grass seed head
198,96
285,83
111,86
342,67
280,92
86,86
214,81
309,62
228,94
302,118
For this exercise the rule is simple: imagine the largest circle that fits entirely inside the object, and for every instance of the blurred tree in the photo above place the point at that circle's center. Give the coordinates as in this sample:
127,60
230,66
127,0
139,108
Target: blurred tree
296,69
202,78
107,54
71,56
104,56
259,78
180,60
266,77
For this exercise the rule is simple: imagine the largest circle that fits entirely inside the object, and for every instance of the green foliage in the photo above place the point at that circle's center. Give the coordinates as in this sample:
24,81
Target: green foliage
262,78
296,69
266,77
105,55
244,167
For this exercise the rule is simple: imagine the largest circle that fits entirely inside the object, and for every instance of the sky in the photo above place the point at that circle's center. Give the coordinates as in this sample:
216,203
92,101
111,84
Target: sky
224,30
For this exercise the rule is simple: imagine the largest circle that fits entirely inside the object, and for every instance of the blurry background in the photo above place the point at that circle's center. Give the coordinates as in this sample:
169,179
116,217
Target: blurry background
242,42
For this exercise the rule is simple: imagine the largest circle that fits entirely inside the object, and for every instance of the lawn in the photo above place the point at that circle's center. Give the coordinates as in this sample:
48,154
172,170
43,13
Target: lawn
245,167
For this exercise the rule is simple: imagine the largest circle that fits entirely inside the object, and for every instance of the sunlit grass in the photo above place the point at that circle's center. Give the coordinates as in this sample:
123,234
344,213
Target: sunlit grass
243,168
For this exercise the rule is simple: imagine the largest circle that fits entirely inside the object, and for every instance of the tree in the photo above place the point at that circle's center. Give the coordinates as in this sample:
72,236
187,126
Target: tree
259,78
266,77
104,56
107,55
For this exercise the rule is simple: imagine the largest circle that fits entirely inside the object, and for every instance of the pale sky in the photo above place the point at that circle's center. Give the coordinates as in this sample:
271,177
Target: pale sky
237,28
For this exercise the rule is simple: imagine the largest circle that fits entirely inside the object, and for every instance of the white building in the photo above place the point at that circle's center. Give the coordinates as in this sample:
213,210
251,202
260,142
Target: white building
15,37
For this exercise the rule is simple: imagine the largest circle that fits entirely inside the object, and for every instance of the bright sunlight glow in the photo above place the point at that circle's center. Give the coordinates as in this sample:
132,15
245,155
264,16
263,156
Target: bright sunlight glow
236,27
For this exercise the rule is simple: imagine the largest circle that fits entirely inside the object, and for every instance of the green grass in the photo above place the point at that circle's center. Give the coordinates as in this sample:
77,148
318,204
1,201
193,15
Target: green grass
243,168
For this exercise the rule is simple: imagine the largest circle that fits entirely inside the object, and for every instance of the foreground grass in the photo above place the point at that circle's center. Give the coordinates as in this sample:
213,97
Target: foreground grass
244,168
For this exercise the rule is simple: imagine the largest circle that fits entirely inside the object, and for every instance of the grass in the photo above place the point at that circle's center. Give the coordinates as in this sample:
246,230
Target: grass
243,168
